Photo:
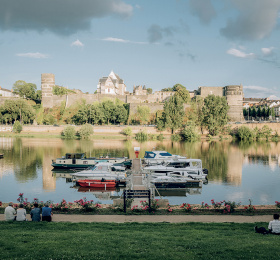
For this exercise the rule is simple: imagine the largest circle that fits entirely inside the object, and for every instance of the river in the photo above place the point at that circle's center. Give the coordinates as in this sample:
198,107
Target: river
237,171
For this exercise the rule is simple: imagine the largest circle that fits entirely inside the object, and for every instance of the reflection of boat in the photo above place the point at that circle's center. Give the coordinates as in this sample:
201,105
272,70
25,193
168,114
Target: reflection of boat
179,192
91,189
97,184
191,168
157,157
80,161
173,181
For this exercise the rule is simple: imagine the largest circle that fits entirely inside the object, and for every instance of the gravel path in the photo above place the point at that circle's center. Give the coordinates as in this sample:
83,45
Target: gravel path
157,218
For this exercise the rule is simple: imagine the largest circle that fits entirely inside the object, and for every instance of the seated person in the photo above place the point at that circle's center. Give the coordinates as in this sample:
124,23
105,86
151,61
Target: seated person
274,225
10,212
35,213
21,213
47,213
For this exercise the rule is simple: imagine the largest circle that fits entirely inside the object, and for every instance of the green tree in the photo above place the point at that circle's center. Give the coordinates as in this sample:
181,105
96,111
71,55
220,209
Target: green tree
149,91
120,114
183,93
86,131
143,114
19,110
215,114
69,132
190,133
259,112
173,113
23,89
17,128
127,131
254,112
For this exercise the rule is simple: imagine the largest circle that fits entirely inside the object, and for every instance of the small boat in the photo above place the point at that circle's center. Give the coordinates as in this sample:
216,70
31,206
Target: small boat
172,182
97,184
158,157
80,161
191,168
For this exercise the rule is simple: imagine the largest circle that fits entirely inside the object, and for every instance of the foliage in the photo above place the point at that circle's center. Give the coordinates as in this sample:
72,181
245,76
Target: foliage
173,113
87,205
190,133
143,114
25,90
17,110
149,91
186,207
69,132
245,133
141,136
182,92
17,127
264,132
127,131
85,131
176,138
250,208
217,205
230,206
215,114
49,119
277,204
152,208
60,91
160,137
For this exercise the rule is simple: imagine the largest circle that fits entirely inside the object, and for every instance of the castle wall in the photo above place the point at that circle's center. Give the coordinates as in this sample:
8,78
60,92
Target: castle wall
47,83
217,91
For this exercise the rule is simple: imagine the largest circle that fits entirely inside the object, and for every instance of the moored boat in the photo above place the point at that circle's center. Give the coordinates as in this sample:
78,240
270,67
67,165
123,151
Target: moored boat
97,184
80,161
158,157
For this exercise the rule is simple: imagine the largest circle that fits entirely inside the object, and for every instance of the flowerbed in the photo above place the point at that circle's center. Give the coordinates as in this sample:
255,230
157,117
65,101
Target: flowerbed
84,206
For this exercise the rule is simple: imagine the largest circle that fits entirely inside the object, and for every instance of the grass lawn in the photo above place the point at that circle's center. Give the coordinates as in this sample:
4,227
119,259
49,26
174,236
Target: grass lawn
30,240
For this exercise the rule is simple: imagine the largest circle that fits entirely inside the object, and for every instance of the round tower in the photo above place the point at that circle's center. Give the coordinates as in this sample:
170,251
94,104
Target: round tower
47,83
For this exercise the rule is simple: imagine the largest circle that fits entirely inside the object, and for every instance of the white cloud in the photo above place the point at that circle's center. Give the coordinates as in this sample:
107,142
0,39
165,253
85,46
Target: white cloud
240,54
112,39
77,43
267,51
257,88
256,19
260,92
34,55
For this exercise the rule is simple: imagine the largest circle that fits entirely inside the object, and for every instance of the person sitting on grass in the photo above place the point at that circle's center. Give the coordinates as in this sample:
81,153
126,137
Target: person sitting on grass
10,212
21,213
47,213
274,225
35,213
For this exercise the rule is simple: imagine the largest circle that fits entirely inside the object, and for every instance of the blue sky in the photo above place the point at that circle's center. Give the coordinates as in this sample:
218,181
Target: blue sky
157,43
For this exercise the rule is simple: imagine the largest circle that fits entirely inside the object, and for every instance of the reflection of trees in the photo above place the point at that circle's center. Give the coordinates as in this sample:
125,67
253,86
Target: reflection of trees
216,160
25,161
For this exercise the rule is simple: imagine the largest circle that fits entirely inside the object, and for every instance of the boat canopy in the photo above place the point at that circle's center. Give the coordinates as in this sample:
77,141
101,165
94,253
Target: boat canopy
153,155
75,156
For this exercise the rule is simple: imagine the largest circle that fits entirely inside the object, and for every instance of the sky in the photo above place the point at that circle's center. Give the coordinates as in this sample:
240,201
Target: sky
156,43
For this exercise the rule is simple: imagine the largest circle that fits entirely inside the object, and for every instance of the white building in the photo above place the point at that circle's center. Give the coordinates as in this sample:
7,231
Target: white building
112,84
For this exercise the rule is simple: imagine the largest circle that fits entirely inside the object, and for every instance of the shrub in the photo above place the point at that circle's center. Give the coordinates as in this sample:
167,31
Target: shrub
176,138
244,133
86,131
190,133
87,205
160,137
141,136
186,207
217,205
152,137
230,206
277,204
127,131
154,205
17,128
69,132
250,208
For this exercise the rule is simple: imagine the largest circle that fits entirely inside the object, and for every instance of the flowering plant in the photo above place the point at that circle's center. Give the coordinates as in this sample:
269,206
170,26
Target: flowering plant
204,205
217,205
277,204
153,206
87,205
230,206
186,207
250,208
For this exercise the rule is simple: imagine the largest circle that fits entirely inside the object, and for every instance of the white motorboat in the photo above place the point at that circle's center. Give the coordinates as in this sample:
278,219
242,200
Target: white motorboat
100,171
174,181
191,168
158,157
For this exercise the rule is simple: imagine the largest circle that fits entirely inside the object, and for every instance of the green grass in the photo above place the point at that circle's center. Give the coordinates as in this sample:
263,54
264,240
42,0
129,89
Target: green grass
30,240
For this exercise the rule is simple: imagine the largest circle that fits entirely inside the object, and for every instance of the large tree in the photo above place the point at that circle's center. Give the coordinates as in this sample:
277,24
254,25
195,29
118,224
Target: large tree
215,113
174,113
26,90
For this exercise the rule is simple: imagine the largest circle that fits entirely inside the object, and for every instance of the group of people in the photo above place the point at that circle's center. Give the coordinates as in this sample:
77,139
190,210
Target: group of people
20,214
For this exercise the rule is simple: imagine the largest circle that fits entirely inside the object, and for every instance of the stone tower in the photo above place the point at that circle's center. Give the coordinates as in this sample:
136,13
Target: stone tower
47,83
234,95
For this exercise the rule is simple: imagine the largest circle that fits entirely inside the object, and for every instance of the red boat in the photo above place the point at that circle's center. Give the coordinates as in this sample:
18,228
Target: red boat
97,183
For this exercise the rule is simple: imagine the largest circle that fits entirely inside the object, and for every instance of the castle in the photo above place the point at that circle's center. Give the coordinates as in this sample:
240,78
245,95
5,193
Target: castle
113,87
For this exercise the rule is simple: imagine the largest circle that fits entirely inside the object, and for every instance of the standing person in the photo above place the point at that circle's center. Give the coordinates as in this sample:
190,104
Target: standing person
21,213
10,212
47,213
35,213
274,225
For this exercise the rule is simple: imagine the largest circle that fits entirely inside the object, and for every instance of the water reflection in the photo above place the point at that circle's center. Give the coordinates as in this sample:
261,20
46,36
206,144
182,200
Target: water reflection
28,161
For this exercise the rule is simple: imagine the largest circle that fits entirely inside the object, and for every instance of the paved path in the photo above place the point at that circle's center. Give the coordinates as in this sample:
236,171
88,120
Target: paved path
157,218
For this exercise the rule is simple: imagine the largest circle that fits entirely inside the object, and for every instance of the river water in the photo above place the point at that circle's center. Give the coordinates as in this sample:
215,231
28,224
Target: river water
237,171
